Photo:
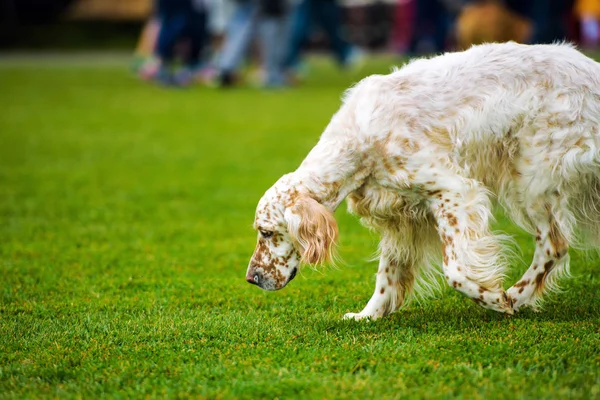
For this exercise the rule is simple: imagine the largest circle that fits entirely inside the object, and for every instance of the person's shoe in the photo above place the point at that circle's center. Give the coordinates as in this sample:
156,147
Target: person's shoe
226,79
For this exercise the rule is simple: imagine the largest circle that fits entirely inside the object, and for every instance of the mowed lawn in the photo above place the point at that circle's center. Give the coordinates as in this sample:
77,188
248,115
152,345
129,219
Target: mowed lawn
126,227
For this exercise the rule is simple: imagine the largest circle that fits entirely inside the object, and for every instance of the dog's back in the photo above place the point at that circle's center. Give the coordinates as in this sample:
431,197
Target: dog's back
523,120
485,93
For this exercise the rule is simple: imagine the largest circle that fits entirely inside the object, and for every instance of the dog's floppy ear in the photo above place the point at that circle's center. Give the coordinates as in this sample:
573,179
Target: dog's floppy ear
314,228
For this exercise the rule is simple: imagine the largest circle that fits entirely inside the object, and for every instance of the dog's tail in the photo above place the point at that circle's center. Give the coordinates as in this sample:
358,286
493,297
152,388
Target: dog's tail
584,210
579,175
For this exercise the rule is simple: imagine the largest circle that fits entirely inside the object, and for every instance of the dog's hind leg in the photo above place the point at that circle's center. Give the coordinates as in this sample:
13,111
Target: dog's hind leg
395,279
550,260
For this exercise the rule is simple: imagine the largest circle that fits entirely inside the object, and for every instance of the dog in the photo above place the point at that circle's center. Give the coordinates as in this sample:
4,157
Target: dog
421,154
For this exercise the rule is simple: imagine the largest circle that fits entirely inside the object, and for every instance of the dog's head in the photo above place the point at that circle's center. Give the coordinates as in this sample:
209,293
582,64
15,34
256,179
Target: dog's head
293,228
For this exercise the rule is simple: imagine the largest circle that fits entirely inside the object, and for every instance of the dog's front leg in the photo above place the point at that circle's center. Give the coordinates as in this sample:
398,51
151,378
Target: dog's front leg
395,278
472,261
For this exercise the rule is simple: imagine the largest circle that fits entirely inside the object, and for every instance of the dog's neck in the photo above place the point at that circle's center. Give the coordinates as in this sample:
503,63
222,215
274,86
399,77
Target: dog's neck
331,172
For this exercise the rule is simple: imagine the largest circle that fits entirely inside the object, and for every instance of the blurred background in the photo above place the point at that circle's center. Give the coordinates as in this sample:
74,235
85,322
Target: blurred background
127,204
182,42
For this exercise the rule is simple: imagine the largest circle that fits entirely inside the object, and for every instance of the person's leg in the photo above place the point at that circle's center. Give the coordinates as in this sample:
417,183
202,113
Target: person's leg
219,14
145,62
403,26
424,25
442,20
298,30
328,14
548,17
197,34
239,34
147,40
273,38
172,27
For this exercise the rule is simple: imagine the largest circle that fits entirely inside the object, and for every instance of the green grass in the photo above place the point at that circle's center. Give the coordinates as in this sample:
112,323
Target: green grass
125,232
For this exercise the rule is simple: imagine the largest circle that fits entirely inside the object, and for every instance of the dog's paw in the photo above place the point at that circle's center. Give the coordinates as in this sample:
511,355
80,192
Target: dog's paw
515,301
358,316
495,300
520,302
506,305
503,308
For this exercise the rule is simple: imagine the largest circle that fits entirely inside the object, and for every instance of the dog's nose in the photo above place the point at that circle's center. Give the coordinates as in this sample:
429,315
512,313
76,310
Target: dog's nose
293,274
253,278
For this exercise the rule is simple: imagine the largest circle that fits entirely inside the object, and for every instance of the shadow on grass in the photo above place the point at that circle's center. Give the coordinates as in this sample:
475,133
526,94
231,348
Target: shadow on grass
452,316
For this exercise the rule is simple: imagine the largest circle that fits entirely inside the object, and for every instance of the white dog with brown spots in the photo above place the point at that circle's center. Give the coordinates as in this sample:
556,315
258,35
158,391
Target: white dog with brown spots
419,154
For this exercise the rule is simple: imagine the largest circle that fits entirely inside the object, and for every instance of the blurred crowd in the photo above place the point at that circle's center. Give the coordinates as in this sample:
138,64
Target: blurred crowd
213,41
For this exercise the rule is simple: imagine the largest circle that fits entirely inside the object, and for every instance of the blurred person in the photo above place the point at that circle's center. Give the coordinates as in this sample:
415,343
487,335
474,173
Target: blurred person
433,19
273,30
143,57
146,61
588,12
403,26
368,25
326,14
238,36
265,19
549,19
219,14
486,21
181,22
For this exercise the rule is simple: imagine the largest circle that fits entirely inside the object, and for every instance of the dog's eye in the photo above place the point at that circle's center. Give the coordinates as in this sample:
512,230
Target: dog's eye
266,234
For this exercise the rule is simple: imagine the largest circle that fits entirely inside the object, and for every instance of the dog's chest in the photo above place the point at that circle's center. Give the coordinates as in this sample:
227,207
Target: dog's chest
375,201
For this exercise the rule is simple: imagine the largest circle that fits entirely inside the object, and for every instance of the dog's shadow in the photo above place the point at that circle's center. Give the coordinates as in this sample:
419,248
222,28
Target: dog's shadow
439,316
